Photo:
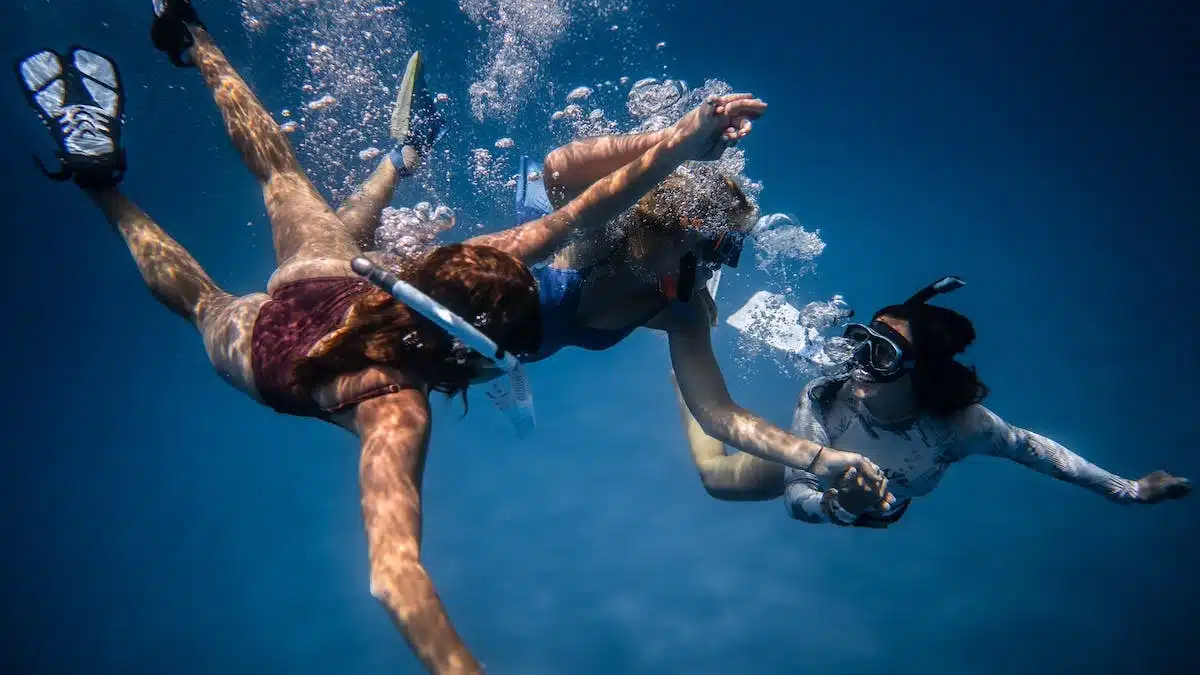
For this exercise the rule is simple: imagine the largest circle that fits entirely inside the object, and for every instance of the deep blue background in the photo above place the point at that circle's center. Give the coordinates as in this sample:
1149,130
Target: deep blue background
154,521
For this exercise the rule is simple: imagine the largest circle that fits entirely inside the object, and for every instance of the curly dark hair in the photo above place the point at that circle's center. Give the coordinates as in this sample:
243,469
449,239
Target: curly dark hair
942,384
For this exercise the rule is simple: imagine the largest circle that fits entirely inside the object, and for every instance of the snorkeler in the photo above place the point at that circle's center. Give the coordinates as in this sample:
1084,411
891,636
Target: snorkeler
601,287
909,405
652,270
323,342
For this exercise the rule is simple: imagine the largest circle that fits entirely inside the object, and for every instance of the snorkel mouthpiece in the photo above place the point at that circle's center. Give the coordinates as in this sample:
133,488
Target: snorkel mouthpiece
516,400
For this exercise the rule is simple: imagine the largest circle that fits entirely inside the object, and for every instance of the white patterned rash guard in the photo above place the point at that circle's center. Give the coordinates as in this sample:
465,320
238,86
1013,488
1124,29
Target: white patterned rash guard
914,453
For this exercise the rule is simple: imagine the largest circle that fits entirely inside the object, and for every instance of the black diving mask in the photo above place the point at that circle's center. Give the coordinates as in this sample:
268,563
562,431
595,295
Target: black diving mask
879,351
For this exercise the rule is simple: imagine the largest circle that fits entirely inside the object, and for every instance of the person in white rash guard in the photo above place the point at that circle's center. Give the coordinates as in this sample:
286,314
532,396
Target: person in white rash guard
909,406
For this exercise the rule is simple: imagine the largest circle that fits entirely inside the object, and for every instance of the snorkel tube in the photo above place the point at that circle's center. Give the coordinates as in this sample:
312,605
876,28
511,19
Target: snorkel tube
939,287
517,399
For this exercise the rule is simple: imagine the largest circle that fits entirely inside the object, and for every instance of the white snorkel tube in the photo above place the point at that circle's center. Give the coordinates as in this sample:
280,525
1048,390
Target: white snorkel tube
515,399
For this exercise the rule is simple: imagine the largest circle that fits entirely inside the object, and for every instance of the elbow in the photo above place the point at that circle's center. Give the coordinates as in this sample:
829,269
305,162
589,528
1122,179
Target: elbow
388,579
553,167
716,421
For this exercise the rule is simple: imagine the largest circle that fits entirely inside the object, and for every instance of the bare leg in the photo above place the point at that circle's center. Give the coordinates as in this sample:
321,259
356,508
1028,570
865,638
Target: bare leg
739,477
309,239
361,212
415,126
570,169
179,282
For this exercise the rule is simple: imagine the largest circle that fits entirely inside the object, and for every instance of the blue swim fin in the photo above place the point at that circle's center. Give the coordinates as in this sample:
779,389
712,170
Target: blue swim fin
532,202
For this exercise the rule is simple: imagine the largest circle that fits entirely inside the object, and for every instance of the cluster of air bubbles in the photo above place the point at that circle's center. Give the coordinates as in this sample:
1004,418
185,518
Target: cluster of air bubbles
797,341
520,36
344,56
649,97
490,171
778,239
584,124
407,231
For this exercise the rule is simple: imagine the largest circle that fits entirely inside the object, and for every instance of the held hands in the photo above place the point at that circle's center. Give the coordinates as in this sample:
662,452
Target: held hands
1160,486
720,122
859,485
856,495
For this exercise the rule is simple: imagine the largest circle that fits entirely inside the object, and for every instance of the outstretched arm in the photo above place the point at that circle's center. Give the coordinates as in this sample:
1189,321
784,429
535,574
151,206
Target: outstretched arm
702,134
600,203
703,389
570,169
739,477
395,434
988,434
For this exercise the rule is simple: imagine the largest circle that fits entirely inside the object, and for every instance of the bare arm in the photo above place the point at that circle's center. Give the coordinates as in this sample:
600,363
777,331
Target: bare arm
703,389
568,170
701,134
737,477
601,202
395,434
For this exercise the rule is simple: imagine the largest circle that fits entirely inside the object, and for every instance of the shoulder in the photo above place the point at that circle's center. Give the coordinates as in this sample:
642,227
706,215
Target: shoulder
978,430
975,419
365,398
821,392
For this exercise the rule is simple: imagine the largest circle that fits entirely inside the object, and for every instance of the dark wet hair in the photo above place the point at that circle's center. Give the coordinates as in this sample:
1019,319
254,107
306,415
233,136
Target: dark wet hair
942,385
487,287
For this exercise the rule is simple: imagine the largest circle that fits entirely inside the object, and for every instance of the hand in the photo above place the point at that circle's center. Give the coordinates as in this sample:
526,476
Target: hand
1160,486
858,475
856,495
704,133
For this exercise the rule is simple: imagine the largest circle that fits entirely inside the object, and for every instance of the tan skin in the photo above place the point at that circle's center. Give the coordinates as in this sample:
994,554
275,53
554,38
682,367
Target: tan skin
312,240
744,477
618,293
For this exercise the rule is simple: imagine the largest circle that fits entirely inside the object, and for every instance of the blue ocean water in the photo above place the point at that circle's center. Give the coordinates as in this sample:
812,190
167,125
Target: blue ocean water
154,520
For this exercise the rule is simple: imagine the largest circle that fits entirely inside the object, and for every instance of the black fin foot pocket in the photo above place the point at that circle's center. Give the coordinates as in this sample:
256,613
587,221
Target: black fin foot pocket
170,33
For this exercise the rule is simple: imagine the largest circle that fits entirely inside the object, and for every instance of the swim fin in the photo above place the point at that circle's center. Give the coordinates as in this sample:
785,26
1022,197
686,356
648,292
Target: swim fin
170,33
80,100
532,202
416,121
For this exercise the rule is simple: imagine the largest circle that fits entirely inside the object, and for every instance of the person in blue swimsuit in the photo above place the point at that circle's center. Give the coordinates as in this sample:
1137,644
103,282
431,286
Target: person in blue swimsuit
910,405
649,268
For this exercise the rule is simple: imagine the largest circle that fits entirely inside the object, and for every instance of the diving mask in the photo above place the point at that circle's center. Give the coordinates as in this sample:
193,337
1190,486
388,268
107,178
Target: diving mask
880,353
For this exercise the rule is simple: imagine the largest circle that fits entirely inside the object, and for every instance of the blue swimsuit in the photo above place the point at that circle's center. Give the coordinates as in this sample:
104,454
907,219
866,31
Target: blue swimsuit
559,293
560,290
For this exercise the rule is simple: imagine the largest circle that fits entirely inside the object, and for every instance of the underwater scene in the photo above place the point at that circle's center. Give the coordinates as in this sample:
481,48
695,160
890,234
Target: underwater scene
582,337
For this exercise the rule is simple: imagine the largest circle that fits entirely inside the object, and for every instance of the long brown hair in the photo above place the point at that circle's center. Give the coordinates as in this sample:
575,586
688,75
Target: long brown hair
489,288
